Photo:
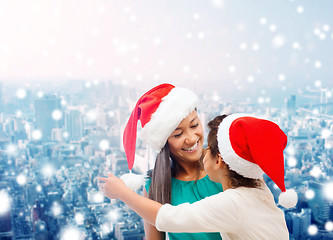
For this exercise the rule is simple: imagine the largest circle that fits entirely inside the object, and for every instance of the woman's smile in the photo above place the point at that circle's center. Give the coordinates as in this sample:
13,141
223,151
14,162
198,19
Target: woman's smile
192,148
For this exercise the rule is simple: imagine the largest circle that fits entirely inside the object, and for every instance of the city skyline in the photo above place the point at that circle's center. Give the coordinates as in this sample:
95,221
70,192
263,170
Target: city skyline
71,71
54,145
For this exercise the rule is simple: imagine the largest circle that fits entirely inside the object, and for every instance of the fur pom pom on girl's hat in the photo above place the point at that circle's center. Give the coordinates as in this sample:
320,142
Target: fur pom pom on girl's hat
252,146
160,110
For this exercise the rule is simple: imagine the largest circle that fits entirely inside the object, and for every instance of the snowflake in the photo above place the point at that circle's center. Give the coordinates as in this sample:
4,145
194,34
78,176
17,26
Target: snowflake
104,145
312,230
36,135
292,161
4,202
329,226
317,64
279,40
21,179
310,194
21,93
328,191
56,115
263,21
300,9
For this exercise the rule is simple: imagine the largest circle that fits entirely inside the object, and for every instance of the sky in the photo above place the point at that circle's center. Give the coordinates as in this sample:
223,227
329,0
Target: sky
251,49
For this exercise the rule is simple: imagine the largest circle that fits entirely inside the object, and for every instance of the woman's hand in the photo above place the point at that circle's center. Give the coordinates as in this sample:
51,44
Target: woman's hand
112,186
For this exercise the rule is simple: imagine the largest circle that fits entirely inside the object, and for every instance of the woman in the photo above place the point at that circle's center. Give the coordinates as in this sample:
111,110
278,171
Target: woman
170,125
240,149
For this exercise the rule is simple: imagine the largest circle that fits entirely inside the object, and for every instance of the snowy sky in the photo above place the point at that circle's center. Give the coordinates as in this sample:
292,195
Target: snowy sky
238,46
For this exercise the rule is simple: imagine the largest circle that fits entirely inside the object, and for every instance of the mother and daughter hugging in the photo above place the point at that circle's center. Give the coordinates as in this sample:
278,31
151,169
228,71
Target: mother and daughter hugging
196,193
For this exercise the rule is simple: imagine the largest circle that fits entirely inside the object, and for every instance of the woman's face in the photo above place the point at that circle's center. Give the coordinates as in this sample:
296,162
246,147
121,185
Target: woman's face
186,141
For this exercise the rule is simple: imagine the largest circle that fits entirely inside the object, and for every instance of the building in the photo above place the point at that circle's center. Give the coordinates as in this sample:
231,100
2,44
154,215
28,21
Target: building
74,124
291,106
48,115
300,223
57,134
319,205
6,225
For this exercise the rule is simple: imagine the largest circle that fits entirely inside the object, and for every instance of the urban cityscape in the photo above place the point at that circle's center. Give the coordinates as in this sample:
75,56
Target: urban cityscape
71,72
54,144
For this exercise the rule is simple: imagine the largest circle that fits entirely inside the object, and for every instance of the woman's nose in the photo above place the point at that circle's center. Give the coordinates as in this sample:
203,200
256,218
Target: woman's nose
190,139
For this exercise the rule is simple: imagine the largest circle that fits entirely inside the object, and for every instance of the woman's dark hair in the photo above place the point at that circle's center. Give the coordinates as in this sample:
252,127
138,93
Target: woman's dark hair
160,187
237,180
165,168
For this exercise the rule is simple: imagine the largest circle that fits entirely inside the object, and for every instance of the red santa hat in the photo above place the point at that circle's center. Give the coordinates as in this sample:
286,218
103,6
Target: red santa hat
252,146
160,110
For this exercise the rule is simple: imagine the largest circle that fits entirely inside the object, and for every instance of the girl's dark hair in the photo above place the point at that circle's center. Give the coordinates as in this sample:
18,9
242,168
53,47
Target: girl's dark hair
237,180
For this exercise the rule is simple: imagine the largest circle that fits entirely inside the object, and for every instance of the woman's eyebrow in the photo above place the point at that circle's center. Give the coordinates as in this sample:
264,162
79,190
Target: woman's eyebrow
190,122
193,119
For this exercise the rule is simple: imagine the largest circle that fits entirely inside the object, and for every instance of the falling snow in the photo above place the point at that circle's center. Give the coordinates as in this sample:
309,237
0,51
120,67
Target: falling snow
312,230
236,62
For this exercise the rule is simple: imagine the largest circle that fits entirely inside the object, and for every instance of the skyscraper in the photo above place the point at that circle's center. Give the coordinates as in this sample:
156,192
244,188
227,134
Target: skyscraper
319,205
5,216
323,101
300,223
291,106
74,124
48,115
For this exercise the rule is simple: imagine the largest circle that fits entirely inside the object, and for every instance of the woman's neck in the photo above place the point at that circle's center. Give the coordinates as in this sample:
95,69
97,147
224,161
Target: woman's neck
187,172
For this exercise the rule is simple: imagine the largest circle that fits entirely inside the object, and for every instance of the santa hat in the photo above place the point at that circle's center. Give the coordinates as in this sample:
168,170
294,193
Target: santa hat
252,146
160,110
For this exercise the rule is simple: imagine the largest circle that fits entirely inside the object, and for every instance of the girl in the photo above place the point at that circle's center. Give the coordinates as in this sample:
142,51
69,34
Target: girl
170,125
240,149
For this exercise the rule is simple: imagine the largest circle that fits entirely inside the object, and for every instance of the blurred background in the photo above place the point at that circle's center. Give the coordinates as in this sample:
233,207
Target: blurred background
71,72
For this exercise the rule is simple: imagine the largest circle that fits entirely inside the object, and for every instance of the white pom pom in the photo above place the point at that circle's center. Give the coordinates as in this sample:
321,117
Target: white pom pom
288,199
133,181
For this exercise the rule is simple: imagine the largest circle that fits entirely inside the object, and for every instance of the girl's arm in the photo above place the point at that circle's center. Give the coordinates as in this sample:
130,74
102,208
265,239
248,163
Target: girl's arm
212,214
115,188
151,233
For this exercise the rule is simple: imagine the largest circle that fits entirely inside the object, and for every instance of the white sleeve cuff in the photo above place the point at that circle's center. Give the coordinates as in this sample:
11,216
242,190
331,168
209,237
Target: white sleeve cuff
159,217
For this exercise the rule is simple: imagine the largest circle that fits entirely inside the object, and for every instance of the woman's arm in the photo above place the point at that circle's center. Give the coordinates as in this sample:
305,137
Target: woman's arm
151,233
115,188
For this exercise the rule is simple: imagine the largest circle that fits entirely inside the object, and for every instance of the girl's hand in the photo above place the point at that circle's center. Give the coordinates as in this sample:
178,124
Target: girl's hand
112,187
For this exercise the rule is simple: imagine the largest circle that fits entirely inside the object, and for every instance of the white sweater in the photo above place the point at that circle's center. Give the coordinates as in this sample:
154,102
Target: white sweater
241,213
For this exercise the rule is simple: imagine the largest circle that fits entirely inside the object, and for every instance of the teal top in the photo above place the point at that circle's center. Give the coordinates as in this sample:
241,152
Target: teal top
191,191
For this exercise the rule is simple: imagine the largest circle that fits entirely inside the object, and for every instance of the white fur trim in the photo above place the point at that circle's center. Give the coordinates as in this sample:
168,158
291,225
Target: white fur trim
288,199
235,162
133,181
175,106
